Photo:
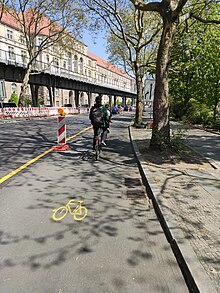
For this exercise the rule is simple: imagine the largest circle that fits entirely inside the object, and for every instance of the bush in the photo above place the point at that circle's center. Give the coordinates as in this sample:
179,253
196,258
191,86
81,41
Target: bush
198,113
14,99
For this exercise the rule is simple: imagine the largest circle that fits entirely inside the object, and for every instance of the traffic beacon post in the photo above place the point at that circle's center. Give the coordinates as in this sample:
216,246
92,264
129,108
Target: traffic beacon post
61,132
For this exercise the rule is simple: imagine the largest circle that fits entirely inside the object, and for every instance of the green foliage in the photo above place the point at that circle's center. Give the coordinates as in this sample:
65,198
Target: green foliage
27,102
14,98
177,139
40,101
195,73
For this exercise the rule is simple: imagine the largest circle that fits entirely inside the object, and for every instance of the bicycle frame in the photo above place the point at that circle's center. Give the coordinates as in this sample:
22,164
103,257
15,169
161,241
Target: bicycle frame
73,202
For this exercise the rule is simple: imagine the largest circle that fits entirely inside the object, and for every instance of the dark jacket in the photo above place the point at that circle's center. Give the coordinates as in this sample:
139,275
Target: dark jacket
105,112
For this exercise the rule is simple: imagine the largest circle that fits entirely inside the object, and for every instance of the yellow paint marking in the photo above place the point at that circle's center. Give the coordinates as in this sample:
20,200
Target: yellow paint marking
78,211
71,137
3,179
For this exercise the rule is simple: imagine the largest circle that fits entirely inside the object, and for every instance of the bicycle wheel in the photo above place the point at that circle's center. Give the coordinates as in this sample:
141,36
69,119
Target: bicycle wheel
80,213
59,213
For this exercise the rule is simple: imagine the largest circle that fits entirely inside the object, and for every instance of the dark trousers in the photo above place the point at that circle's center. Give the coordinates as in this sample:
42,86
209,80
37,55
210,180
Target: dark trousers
103,134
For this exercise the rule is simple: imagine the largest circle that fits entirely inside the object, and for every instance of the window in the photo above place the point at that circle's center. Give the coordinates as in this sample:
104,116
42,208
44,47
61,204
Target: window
64,64
22,39
89,62
81,65
75,65
24,56
90,73
11,53
56,65
69,62
13,88
10,34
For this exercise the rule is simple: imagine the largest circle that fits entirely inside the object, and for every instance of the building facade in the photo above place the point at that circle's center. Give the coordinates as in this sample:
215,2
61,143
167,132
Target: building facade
74,62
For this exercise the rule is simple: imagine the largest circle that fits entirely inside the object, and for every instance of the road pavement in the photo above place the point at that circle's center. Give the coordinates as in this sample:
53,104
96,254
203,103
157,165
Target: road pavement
120,245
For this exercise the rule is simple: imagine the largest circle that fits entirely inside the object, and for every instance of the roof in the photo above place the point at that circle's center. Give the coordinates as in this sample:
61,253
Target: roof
44,24
105,64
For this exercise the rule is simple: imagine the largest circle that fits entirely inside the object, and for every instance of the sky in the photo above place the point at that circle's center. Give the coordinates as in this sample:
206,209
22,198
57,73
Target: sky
99,47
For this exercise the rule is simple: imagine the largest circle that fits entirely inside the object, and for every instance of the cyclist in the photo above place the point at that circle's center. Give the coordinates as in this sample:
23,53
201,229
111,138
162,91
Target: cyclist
99,116
109,119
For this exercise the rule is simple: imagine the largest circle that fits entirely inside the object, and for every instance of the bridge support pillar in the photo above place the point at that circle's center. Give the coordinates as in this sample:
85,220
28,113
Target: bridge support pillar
123,101
115,99
34,94
89,98
110,101
76,98
71,99
51,90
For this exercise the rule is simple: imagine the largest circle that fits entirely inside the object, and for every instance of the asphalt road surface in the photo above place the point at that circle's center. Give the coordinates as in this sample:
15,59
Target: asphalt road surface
118,247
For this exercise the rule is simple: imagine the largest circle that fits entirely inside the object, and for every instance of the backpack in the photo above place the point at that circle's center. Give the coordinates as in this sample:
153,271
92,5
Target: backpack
97,116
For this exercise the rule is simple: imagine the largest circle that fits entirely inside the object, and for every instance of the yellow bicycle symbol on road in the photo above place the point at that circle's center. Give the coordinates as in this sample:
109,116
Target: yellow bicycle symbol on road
78,211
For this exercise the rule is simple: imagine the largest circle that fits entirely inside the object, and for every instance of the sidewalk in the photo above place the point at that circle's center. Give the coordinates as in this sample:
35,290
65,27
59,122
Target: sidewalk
185,195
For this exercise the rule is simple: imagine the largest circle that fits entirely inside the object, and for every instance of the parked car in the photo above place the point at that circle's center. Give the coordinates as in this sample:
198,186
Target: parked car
115,110
85,106
127,108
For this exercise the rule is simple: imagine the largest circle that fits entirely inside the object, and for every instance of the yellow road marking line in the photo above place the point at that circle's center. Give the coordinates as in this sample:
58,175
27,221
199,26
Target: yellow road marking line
3,179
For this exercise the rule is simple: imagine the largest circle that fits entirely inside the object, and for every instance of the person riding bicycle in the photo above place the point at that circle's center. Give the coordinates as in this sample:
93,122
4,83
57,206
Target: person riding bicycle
109,119
99,116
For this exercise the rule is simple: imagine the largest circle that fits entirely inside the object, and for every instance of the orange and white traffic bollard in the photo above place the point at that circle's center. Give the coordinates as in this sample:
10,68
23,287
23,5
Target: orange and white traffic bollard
61,133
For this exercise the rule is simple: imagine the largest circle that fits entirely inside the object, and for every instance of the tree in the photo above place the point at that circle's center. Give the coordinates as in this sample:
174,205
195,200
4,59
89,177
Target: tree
195,62
3,3
170,12
43,24
14,98
128,38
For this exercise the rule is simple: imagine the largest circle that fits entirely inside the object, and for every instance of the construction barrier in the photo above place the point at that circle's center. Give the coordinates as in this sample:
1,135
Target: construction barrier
61,132
28,112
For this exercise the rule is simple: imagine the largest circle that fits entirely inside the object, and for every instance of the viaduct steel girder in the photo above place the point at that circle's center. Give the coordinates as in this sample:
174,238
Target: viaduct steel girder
16,74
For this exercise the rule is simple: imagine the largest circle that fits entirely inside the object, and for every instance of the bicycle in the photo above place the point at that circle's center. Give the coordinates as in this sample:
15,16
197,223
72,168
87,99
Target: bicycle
79,212
98,145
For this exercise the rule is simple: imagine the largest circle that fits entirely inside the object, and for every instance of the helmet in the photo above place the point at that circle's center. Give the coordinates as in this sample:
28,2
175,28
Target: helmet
98,99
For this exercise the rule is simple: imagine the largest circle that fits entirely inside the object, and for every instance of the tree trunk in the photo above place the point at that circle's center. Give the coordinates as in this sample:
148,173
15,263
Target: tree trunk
24,85
161,127
139,101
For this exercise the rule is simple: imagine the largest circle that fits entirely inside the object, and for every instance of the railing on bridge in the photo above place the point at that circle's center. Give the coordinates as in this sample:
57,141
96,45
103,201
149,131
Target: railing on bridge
10,58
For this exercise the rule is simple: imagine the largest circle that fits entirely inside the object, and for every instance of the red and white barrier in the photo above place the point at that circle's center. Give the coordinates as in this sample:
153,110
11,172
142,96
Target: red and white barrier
28,112
61,134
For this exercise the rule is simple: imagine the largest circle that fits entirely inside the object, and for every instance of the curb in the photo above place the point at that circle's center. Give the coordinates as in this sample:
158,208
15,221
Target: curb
185,256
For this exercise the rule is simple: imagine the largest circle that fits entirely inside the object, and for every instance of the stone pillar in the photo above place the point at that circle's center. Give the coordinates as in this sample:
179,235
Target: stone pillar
76,98
115,98
51,96
71,99
89,98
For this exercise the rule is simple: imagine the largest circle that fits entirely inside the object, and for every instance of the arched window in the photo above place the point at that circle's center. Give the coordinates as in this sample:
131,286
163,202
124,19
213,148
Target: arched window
75,64
13,88
81,65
